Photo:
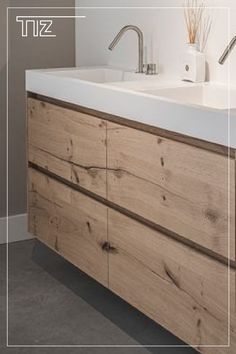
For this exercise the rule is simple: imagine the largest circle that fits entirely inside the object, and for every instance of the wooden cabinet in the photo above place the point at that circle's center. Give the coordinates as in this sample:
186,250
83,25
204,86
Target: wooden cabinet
70,223
183,290
180,187
68,143
147,216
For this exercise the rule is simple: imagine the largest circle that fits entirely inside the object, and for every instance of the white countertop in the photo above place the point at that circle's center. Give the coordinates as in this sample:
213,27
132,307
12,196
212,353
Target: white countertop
122,99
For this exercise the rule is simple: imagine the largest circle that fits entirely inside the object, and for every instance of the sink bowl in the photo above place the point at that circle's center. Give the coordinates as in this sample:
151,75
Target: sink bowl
206,95
101,75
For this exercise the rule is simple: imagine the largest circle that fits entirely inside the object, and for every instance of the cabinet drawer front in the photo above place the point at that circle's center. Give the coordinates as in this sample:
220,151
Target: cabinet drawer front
68,143
178,287
69,222
180,187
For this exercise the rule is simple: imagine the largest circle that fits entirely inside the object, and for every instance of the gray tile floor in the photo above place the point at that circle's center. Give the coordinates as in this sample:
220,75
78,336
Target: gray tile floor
52,302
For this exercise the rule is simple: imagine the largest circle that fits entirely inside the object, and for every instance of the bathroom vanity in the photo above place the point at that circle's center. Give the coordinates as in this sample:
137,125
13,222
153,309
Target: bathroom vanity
139,193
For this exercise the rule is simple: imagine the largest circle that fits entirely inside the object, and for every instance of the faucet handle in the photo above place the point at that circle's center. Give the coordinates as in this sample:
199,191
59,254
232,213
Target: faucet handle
151,69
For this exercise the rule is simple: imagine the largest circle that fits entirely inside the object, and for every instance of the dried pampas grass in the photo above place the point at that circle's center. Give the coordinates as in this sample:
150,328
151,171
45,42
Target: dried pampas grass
197,22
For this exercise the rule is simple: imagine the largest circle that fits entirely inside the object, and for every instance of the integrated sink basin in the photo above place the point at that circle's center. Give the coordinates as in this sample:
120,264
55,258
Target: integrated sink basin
204,95
207,95
101,75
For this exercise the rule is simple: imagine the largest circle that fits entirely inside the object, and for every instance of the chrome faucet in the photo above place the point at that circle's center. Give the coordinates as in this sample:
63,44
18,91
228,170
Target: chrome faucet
140,44
227,51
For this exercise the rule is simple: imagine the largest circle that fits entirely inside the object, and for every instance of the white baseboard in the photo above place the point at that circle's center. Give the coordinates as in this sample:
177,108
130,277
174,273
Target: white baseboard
17,229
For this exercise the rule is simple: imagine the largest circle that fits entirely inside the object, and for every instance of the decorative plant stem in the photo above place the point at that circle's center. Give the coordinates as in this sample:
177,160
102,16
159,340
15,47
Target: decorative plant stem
198,24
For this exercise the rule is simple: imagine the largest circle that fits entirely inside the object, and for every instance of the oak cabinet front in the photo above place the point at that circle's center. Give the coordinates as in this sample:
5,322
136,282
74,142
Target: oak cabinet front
183,290
70,223
68,143
147,216
180,187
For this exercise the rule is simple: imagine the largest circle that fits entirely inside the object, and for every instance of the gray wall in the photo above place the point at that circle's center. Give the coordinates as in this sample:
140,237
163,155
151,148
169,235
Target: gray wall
26,53
3,4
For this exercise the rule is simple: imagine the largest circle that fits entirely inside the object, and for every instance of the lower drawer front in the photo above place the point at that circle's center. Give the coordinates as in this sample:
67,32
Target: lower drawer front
178,287
69,222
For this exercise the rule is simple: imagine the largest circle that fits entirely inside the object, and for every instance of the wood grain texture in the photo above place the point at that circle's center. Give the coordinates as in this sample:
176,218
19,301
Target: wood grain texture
220,149
70,223
180,187
68,143
176,286
176,186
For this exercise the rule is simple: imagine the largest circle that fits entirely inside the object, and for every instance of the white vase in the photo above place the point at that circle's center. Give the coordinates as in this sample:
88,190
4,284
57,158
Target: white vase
193,65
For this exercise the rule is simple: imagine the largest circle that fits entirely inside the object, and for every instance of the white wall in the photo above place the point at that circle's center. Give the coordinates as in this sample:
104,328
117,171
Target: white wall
164,31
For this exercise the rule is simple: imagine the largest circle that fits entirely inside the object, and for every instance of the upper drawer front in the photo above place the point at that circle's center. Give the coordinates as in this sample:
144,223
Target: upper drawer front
180,187
69,222
68,143
180,288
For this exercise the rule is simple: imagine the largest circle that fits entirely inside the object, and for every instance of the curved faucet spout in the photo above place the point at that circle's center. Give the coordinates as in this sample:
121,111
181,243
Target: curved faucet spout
140,43
227,51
